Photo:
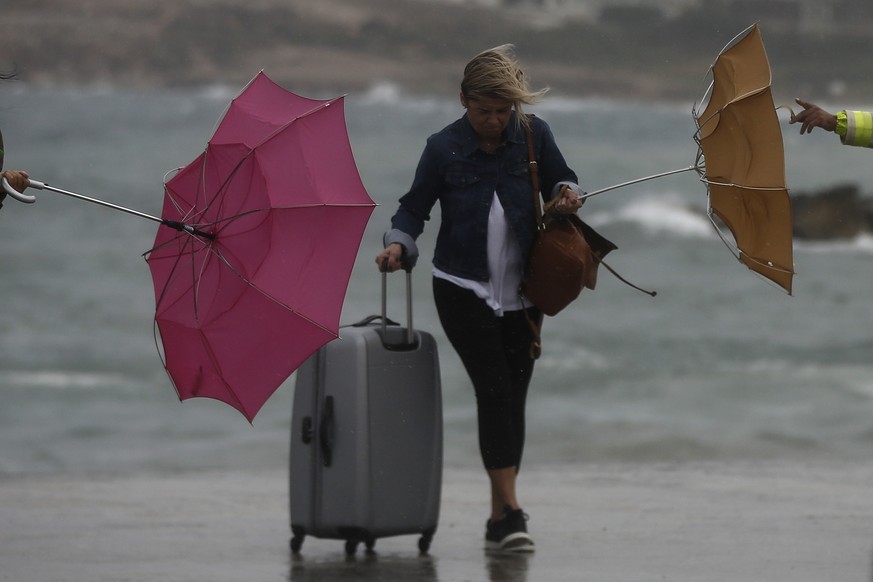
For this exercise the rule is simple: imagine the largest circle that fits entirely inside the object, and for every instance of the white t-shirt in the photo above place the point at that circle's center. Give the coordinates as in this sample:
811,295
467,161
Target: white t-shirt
505,270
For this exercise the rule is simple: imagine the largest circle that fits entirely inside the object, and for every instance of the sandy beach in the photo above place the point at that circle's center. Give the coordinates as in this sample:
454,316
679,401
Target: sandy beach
782,521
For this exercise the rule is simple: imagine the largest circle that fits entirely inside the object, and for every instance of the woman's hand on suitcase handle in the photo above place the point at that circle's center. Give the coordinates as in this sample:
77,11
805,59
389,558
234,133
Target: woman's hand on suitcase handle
390,259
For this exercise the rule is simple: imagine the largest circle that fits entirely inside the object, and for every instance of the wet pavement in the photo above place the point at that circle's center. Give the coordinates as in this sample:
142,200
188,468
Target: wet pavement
789,520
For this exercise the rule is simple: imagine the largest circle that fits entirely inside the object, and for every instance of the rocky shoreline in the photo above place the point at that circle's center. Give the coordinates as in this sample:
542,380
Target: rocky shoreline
836,212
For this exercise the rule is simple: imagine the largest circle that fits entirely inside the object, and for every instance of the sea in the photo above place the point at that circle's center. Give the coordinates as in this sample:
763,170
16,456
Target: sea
720,365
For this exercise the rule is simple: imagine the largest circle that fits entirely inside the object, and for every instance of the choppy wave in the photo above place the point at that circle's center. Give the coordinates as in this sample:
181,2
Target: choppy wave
863,244
671,215
391,95
715,365
668,214
63,380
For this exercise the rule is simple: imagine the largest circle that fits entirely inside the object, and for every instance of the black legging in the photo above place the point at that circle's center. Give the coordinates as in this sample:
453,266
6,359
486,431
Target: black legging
496,354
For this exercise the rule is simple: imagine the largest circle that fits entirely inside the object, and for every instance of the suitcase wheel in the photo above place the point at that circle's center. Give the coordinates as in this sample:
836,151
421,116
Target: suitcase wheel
296,544
297,539
424,541
352,546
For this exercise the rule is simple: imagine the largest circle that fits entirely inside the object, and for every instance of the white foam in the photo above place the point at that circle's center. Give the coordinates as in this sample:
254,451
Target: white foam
63,380
863,244
664,214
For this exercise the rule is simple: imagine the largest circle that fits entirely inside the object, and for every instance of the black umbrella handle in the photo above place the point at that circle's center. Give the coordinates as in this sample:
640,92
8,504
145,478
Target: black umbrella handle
182,227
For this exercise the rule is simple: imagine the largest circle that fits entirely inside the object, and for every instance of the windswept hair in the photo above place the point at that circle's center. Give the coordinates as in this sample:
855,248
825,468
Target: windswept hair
495,73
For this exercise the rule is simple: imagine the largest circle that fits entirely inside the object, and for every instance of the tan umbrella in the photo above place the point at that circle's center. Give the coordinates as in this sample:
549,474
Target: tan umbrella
739,135
741,160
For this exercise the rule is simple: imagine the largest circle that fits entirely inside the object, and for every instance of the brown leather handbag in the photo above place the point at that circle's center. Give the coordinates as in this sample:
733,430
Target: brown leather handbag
563,260
565,254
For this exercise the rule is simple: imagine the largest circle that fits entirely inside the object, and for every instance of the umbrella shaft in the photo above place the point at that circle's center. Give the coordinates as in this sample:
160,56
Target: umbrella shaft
180,226
637,181
103,203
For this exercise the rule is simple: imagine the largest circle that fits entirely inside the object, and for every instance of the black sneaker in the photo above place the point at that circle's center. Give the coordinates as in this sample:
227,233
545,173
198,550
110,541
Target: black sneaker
509,534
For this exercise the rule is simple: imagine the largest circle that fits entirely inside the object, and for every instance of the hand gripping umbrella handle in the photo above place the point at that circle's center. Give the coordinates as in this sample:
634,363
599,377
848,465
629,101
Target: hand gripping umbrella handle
21,197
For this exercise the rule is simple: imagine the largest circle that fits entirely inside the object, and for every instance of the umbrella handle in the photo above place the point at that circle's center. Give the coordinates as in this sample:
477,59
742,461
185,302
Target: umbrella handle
21,197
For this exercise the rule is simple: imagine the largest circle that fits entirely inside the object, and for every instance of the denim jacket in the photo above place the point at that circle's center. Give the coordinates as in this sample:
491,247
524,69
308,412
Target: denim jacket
463,178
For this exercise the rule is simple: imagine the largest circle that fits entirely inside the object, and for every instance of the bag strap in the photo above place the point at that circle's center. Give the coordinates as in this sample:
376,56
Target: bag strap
625,281
536,327
534,174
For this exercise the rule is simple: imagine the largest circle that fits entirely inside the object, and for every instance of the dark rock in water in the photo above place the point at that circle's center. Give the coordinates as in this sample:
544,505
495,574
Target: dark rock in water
834,212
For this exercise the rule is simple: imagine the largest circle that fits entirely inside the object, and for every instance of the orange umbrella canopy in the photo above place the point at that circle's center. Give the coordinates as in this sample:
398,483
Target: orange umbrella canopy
741,142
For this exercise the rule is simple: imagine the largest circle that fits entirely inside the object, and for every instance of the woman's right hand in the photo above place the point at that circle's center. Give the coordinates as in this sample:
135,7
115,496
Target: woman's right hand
393,254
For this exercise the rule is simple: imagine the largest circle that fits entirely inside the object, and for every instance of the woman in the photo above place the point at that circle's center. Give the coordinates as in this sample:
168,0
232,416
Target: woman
16,178
477,168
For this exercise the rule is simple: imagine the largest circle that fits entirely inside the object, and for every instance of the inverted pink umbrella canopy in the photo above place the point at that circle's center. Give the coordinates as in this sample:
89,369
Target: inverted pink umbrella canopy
273,212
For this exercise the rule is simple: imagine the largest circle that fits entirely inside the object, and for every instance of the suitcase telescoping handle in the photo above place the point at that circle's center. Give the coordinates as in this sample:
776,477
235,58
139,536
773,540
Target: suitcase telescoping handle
408,270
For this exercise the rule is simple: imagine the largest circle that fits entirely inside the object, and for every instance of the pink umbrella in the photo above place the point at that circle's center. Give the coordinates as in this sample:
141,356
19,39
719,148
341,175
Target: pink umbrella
271,214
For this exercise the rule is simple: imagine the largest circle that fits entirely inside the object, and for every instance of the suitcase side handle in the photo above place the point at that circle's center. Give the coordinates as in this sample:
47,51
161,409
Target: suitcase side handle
327,431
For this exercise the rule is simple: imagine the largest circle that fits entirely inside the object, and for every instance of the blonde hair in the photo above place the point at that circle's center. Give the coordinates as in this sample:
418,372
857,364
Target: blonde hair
495,73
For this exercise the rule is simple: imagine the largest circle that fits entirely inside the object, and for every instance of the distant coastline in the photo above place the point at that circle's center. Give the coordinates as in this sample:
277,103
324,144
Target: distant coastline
421,46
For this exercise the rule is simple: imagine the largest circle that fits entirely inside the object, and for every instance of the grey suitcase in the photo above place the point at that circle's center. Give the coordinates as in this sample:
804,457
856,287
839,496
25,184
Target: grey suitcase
366,436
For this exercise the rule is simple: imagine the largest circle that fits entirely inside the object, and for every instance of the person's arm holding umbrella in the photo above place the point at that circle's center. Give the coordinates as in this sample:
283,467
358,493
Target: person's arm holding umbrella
18,179
855,128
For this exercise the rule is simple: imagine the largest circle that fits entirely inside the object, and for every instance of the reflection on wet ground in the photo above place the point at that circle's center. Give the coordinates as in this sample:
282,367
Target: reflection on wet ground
396,567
